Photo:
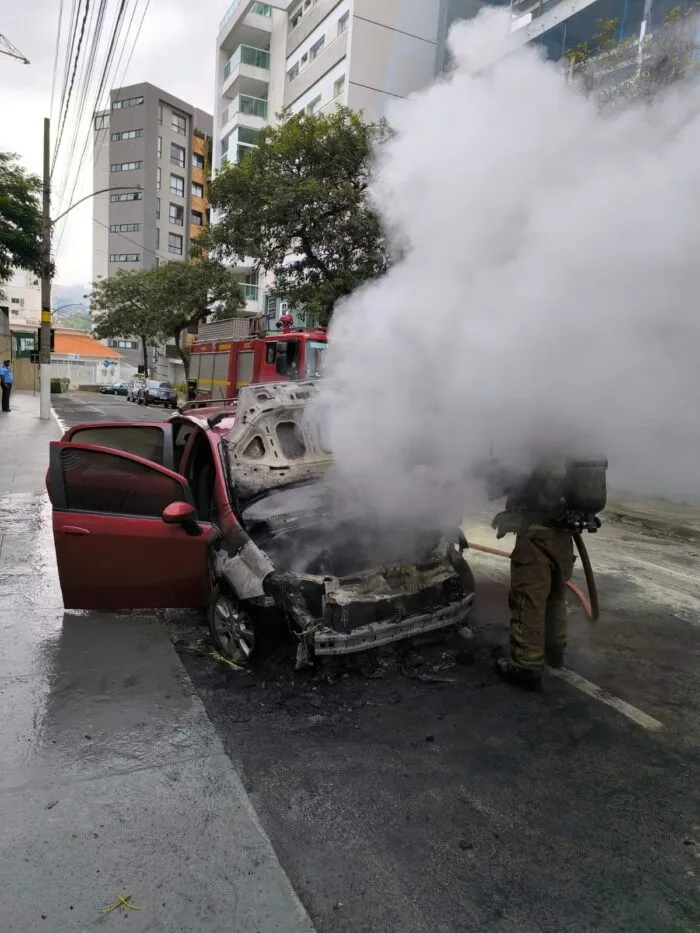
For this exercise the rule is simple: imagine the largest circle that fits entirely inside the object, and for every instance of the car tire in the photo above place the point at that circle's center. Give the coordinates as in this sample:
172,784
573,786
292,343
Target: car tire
232,628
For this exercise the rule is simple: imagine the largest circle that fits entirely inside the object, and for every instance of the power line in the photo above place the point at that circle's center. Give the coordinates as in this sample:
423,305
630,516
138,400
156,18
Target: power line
116,31
103,82
70,44
72,80
55,57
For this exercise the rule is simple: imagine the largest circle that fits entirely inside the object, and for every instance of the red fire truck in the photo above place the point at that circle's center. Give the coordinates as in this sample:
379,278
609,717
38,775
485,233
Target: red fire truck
219,368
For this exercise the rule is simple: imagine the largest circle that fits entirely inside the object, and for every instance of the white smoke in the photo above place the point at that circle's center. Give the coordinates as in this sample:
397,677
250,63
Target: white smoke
548,291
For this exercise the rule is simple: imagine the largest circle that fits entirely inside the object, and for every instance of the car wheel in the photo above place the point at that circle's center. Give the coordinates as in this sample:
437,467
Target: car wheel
231,627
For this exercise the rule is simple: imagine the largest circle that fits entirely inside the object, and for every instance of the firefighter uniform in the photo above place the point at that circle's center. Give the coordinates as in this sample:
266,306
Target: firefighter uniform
542,562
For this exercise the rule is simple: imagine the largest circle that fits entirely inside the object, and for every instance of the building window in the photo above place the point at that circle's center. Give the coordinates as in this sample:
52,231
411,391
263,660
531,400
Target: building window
343,23
293,73
157,208
126,134
157,237
311,107
177,186
339,86
124,228
175,243
317,48
158,177
160,114
124,257
102,121
127,196
197,161
177,155
125,166
14,301
179,123
197,218
177,214
197,190
159,150
129,102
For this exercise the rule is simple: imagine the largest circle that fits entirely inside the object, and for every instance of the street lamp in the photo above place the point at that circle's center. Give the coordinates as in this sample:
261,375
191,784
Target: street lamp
46,229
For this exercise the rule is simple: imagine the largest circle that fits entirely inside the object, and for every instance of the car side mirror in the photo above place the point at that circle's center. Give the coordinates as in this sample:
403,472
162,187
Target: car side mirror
182,513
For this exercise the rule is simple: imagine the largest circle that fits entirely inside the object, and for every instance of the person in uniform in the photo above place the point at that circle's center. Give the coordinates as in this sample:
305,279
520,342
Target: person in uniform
544,510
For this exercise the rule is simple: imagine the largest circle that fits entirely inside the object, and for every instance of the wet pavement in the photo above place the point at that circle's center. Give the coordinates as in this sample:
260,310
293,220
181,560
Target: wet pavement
113,780
412,791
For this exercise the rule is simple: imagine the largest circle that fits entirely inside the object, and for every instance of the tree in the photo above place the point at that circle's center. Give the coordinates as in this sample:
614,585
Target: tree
125,305
298,205
184,293
20,219
160,303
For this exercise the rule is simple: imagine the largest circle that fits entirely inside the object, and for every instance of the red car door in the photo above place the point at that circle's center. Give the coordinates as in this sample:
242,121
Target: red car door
150,440
113,549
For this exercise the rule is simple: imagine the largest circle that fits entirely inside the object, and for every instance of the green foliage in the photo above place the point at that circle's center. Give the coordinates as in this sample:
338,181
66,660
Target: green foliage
605,37
301,195
160,303
579,54
59,386
20,218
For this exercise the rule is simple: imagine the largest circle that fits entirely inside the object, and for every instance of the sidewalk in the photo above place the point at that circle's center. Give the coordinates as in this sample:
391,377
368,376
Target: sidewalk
113,779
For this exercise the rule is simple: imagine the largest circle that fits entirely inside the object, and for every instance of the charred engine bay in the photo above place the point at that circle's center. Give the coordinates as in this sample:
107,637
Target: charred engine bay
304,532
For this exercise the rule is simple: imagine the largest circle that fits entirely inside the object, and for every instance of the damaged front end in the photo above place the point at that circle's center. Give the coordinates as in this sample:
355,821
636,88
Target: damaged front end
344,583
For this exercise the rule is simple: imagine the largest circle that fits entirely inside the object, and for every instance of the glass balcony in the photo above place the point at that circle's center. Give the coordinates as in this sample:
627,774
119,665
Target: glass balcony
244,103
251,292
247,55
262,9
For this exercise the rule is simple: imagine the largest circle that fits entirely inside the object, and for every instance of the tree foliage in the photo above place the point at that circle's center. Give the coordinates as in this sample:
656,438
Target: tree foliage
123,305
161,303
298,205
20,218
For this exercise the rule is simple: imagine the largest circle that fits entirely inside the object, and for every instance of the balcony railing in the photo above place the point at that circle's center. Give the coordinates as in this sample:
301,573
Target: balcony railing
251,106
247,55
262,9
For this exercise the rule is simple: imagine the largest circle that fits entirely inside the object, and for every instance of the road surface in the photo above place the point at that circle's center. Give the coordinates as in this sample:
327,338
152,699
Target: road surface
415,792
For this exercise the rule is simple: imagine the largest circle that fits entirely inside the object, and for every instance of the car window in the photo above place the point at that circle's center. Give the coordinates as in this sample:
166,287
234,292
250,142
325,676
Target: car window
142,441
102,482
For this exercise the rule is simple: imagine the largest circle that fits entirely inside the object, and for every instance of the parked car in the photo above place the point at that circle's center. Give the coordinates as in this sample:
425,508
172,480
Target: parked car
118,388
155,392
132,389
211,509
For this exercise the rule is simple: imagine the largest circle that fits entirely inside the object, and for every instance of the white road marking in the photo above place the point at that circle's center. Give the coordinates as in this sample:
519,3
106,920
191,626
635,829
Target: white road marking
61,423
585,686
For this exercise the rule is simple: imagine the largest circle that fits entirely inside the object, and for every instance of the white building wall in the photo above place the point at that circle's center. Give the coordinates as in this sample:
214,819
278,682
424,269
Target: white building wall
23,300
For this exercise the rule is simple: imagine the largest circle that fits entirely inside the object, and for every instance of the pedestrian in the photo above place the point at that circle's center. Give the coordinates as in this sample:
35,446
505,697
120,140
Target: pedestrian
6,381
544,510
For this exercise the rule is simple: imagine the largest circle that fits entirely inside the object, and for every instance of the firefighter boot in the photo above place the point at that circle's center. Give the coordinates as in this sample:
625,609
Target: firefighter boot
519,678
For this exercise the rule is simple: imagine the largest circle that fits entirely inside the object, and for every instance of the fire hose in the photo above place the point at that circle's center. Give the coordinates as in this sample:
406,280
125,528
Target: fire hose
590,603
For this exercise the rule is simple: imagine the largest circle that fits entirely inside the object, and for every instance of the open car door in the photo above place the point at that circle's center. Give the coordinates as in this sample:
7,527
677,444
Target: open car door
113,547
150,440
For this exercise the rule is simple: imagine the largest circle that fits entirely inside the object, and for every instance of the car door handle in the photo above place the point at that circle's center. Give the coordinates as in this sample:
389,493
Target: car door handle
75,530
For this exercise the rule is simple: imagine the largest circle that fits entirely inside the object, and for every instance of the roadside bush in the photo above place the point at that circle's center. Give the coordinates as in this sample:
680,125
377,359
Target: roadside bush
59,386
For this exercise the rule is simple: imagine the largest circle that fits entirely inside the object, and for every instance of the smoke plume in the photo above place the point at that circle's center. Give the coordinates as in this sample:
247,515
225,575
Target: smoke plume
547,294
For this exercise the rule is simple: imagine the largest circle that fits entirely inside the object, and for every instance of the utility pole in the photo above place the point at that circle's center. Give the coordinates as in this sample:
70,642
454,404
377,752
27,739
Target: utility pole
45,352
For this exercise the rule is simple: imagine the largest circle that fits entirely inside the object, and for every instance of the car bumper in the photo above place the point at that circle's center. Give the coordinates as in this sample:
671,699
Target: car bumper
329,642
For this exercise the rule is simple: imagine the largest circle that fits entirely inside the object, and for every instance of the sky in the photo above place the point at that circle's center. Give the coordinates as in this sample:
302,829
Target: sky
175,50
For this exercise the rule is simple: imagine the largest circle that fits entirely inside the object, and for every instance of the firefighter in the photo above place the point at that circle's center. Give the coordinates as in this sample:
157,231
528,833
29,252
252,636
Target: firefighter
544,510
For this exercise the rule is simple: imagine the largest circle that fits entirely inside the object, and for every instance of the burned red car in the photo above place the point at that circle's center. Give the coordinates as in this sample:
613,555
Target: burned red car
227,508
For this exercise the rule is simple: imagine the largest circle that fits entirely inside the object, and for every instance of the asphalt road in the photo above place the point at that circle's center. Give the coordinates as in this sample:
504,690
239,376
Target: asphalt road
414,792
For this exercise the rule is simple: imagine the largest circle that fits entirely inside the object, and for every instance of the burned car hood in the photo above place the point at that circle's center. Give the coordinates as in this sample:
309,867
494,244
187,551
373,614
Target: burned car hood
275,441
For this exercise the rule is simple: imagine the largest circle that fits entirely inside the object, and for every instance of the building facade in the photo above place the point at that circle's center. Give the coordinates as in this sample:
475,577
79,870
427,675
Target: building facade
312,56
155,150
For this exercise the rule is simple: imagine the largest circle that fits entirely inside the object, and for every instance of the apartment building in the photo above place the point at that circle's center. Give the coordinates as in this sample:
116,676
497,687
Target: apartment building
313,55
20,302
153,151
